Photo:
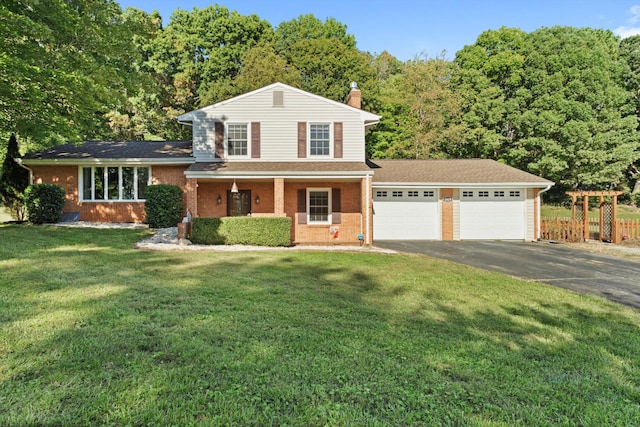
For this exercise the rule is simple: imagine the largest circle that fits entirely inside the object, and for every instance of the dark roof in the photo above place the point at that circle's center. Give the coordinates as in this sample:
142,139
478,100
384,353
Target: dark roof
275,167
115,150
450,171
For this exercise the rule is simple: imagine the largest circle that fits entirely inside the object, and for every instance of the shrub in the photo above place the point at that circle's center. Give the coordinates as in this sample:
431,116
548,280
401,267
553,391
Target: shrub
163,205
242,231
44,203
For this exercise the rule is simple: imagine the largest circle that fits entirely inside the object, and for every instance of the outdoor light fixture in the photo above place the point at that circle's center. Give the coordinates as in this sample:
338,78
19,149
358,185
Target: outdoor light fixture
219,199
234,187
257,200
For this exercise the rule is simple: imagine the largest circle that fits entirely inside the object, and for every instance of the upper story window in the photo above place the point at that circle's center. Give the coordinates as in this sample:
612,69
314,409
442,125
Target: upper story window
319,139
237,140
114,183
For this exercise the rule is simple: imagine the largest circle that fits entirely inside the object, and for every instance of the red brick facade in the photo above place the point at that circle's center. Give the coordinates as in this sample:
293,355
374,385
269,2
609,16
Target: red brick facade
108,211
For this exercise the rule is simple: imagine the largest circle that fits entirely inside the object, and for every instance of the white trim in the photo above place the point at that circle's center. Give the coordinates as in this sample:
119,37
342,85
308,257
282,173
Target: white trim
106,185
112,162
312,157
285,174
226,141
368,118
461,184
323,189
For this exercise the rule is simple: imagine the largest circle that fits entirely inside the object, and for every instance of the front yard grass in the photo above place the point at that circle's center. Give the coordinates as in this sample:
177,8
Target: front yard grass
93,332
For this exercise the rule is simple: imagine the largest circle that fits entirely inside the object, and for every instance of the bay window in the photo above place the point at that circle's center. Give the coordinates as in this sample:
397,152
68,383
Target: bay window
114,183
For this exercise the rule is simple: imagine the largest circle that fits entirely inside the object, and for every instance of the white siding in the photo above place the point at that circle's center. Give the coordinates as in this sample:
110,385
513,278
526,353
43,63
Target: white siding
530,214
279,124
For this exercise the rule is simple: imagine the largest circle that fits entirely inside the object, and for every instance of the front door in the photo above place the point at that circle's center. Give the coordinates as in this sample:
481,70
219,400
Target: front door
239,204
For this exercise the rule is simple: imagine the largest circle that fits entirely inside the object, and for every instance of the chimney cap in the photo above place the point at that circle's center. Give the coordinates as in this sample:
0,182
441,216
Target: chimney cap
353,85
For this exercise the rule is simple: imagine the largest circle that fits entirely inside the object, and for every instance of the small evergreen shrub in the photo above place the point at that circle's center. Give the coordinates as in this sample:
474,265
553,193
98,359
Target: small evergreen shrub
44,203
242,231
163,205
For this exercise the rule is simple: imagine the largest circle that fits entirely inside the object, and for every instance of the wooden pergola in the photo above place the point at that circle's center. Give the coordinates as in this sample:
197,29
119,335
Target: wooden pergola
615,238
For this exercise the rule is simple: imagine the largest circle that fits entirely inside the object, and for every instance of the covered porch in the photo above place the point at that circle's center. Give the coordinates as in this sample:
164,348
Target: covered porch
323,209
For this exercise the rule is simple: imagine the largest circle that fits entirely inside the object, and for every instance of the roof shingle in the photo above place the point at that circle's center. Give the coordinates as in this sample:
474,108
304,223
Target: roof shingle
115,150
450,171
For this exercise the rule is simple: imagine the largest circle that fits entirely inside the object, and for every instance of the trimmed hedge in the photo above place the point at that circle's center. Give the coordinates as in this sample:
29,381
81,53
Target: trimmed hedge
44,203
242,230
163,205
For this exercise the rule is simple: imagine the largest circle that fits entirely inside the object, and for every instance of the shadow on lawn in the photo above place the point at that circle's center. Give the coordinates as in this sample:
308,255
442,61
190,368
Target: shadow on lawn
257,338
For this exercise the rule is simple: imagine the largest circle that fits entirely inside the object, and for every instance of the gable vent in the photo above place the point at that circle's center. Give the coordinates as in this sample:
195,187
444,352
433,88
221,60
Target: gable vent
278,98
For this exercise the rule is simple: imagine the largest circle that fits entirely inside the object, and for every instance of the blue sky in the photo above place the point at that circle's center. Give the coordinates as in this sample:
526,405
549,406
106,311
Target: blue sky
407,28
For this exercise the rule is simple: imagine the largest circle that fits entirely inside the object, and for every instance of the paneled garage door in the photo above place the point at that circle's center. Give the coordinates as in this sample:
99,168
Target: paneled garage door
406,214
492,214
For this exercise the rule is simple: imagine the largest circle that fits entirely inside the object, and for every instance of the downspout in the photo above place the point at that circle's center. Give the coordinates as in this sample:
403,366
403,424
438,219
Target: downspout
19,162
538,222
368,218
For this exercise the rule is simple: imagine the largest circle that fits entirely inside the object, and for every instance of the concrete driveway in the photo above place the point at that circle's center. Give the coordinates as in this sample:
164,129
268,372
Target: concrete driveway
616,279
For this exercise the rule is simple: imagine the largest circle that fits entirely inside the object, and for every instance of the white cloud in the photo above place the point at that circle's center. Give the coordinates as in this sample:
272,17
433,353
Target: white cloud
634,11
624,32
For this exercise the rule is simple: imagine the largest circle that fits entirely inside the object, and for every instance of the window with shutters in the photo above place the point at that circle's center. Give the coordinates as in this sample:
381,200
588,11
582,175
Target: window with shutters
237,140
319,205
319,139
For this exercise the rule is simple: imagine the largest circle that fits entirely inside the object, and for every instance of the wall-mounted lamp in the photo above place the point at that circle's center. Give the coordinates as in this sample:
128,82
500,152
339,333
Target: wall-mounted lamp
219,199
234,187
257,200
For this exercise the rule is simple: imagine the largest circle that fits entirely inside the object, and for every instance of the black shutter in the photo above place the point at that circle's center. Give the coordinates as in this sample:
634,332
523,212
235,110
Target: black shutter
302,206
336,206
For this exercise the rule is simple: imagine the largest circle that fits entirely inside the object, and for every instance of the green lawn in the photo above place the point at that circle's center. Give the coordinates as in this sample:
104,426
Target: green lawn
94,332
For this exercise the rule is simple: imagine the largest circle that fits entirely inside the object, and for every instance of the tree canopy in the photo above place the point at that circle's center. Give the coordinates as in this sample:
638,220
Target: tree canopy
560,102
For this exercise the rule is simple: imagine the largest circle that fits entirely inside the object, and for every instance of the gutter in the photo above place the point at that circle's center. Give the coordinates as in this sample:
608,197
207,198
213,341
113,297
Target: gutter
538,221
23,166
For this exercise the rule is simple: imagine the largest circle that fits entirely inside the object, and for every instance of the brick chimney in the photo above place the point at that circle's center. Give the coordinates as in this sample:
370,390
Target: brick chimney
354,98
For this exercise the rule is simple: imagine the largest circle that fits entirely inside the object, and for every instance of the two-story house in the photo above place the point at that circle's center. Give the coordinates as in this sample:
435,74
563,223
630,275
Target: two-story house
281,151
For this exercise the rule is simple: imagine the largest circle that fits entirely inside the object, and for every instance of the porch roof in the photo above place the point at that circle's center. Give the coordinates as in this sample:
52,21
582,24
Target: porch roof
277,169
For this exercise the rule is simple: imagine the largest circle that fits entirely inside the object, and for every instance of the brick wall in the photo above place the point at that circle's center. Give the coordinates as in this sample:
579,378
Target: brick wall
351,222
109,211
447,213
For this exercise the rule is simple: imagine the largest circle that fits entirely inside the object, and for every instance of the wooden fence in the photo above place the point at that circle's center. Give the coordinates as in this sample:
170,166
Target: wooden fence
567,230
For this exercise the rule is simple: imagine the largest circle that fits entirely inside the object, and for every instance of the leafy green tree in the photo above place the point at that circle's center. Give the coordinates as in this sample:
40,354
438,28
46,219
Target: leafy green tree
578,126
14,179
308,27
201,49
552,102
487,77
64,65
326,57
422,109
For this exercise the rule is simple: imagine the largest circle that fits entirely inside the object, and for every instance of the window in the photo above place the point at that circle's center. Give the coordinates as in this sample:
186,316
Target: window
429,193
319,202
514,193
498,194
467,194
114,183
412,193
397,194
237,141
483,194
380,193
319,139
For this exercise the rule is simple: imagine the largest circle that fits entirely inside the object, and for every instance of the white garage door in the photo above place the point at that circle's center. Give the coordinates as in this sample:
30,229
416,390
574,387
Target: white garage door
405,214
489,214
